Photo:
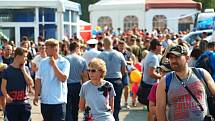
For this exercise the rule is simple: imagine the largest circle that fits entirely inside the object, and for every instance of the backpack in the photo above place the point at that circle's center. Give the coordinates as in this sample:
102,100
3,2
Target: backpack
200,76
204,62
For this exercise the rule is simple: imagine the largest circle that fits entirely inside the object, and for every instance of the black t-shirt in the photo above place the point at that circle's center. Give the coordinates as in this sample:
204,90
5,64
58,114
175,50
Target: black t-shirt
16,84
7,61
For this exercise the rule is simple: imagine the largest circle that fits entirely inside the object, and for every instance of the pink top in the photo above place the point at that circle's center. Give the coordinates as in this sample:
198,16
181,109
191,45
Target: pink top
152,94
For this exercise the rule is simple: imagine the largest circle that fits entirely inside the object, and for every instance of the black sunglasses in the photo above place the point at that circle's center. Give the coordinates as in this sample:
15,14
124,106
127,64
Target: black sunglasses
92,70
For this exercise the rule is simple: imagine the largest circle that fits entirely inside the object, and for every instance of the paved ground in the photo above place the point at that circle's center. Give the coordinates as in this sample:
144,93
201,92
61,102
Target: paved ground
134,114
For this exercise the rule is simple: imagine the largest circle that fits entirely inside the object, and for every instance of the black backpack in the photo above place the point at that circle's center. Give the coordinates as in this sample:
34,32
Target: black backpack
205,62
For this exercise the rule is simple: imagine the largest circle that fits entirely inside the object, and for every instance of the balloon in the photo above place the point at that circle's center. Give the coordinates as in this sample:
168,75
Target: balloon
138,66
135,76
134,88
98,28
94,32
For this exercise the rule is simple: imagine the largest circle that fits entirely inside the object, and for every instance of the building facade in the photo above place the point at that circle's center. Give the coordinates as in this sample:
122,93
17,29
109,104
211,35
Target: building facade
33,18
176,15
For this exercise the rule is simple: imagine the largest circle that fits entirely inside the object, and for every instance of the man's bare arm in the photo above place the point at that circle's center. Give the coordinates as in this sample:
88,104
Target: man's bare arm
161,101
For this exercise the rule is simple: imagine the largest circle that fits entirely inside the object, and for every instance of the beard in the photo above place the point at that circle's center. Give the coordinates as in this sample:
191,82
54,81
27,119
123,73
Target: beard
177,67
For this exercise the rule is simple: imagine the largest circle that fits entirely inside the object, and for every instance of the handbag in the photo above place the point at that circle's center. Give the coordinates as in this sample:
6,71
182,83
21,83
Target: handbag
87,114
207,117
143,92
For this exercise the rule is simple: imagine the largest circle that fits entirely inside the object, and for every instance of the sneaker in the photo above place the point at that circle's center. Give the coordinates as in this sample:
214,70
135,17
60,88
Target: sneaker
127,106
134,104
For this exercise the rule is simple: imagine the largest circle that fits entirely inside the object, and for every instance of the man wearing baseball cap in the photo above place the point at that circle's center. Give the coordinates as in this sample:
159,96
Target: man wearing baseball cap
174,94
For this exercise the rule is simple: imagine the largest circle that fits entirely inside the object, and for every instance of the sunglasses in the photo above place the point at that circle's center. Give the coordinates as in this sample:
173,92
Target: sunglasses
91,70
179,49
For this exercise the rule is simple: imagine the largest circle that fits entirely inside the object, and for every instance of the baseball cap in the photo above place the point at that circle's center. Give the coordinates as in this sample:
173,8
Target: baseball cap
177,50
92,42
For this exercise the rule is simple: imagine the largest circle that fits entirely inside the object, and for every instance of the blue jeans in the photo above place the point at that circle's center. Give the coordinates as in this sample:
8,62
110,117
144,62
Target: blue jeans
53,112
72,101
118,87
18,112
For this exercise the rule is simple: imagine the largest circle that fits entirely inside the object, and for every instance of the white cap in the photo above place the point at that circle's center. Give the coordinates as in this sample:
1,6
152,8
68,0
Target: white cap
92,41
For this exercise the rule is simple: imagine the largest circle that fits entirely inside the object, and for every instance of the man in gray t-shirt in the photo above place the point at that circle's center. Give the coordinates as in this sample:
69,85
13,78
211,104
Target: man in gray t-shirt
116,67
173,93
77,75
150,75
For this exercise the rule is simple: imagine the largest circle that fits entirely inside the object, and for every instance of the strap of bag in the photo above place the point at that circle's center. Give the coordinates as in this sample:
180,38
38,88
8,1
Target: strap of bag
168,80
201,77
190,92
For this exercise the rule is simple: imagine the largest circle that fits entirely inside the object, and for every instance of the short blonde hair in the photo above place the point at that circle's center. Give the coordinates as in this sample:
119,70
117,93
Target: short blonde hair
98,64
52,43
107,42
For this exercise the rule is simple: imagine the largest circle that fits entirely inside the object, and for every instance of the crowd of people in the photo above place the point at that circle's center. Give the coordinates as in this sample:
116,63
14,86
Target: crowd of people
71,75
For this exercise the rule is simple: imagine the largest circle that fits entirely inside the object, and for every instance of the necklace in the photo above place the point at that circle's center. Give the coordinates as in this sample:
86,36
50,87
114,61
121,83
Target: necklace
183,81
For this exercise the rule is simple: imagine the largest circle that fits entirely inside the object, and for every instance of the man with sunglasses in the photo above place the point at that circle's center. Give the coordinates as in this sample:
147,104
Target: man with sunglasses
150,65
182,106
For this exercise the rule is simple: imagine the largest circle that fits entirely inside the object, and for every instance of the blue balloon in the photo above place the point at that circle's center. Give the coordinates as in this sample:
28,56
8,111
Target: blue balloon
94,32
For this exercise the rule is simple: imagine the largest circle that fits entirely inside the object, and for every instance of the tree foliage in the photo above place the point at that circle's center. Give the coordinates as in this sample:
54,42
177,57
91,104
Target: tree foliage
84,8
207,3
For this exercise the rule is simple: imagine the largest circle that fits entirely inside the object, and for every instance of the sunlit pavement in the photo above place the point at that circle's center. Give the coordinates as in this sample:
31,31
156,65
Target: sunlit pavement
133,114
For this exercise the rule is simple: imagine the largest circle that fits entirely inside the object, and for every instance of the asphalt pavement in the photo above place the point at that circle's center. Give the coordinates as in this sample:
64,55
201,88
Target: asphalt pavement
133,114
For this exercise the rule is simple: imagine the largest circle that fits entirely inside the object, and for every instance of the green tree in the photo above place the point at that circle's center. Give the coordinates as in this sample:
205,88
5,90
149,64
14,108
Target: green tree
207,4
84,8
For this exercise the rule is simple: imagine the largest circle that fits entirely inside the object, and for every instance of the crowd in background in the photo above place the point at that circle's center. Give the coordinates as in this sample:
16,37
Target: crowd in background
133,45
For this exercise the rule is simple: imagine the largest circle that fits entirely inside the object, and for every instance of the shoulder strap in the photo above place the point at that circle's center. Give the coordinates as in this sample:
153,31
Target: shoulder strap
200,75
168,80
190,92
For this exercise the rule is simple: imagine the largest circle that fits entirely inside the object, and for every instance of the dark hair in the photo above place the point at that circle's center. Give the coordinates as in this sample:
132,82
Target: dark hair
20,51
196,52
211,44
25,38
121,42
73,45
153,44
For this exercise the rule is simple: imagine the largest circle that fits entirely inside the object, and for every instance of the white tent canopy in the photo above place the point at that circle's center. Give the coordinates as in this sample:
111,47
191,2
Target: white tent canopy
117,4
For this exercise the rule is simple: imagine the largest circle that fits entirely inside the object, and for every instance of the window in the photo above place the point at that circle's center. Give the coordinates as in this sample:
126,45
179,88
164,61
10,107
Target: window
66,30
130,22
159,22
185,23
48,14
48,30
66,16
17,15
74,16
105,21
7,33
74,30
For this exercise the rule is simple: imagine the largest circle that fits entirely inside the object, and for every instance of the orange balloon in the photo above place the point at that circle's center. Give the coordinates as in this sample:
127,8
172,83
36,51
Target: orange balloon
135,76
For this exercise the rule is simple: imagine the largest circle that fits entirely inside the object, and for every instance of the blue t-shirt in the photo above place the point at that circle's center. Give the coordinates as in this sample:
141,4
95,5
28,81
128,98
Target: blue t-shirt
212,61
114,60
99,105
53,91
151,61
16,84
77,66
